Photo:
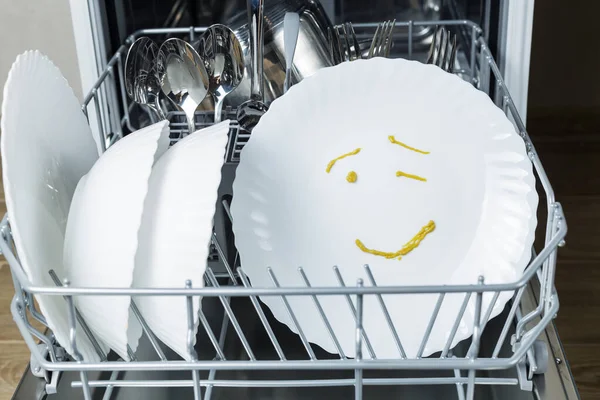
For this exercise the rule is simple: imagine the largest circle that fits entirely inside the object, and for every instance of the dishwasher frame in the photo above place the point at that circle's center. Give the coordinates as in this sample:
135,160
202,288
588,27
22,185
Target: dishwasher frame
481,70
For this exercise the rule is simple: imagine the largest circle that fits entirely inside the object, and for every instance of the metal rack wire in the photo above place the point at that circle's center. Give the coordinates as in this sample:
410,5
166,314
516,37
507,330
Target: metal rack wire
224,290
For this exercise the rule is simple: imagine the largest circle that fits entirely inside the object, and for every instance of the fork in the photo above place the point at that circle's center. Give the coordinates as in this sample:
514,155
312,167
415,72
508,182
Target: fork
443,49
344,47
382,40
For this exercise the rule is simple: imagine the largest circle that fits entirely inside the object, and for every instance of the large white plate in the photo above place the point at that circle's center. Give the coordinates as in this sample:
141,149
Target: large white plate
102,232
176,230
288,212
47,147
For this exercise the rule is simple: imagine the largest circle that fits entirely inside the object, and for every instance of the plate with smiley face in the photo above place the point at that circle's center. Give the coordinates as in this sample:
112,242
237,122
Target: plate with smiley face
392,164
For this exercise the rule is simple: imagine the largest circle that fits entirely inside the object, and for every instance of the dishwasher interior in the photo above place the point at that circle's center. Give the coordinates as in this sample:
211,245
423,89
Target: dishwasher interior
242,350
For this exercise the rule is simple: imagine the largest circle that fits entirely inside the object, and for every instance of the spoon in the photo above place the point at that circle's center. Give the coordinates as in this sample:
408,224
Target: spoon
141,80
291,27
183,77
224,61
249,112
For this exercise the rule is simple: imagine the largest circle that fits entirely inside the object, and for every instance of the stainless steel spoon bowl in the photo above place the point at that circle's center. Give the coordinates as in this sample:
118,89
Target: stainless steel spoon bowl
183,77
224,61
141,78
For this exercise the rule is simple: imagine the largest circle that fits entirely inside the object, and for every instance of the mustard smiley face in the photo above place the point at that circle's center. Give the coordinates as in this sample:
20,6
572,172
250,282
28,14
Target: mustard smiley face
413,243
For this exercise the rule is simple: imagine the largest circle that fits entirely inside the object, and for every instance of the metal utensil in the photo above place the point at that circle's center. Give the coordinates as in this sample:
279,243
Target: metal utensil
335,46
382,40
250,111
351,42
291,28
443,49
344,46
224,62
183,77
141,79
312,52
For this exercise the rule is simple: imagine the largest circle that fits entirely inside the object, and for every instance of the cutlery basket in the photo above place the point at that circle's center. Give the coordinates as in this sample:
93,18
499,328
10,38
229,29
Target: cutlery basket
242,351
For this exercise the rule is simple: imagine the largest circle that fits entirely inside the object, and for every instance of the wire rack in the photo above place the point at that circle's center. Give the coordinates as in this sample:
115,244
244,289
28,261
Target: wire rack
227,286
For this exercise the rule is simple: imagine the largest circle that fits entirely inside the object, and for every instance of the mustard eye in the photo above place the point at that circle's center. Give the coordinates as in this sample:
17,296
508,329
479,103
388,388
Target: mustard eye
351,178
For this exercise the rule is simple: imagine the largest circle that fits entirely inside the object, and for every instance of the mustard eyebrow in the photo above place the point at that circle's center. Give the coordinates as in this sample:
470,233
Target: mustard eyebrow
407,248
332,162
394,141
411,176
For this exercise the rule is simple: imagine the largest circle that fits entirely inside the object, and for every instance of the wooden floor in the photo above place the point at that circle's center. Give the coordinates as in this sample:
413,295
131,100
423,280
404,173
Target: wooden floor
570,151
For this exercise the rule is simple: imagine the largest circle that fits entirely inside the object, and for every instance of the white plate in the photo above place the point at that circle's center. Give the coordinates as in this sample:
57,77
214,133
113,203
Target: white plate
47,146
102,232
176,230
288,212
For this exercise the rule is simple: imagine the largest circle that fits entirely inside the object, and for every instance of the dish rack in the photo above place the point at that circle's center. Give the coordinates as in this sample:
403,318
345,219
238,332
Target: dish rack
516,348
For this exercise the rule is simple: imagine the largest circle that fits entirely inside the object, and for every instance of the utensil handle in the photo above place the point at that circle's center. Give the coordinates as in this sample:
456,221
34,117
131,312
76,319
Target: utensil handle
291,27
218,108
255,26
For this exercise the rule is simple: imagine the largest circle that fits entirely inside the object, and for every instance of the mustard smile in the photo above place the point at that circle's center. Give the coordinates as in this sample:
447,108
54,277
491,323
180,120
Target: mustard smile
407,248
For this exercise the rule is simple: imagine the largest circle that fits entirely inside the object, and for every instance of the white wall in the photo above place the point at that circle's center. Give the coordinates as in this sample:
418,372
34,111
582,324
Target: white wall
44,25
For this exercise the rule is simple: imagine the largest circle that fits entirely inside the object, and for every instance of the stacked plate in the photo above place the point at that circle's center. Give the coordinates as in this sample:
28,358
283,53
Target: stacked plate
138,215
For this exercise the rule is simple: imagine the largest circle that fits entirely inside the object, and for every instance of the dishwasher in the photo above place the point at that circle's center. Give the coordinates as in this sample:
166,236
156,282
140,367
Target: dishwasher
243,352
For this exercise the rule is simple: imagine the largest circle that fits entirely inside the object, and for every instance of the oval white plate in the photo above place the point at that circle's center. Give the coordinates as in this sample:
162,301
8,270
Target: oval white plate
47,147
102,232
176,230
288,212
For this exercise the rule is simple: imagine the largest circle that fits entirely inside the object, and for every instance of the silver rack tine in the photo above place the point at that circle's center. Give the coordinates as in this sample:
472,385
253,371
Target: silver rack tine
388,319
210,333
474,349
86,329
262,317
461,312
227,210
459,386
191,334
432,320
486,316
153,340
131,354
109,389
509,322
358,373
323,316
85,385
87,394
341,282
219,249
309,350
189,304
371,53
231,315
213,372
